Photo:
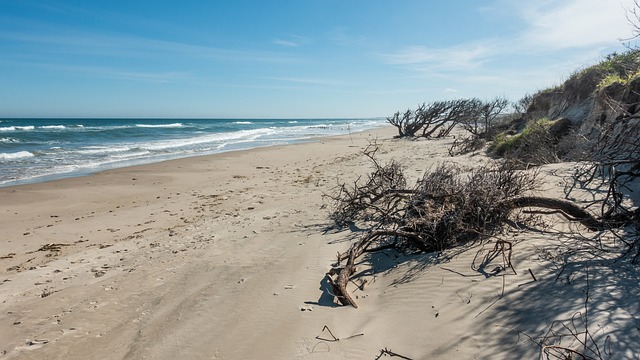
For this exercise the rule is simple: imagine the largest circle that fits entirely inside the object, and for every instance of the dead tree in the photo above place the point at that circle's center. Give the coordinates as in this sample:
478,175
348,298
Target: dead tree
490,111
613,167
356,201
522,104
436,119
479,121
448,207
408,123
466,144
633,17
443,116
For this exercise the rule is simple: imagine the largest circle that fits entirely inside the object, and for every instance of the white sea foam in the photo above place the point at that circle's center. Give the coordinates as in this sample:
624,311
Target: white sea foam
132,155
77,153
16,155
212,138
97,150
51,172
107,127
174,125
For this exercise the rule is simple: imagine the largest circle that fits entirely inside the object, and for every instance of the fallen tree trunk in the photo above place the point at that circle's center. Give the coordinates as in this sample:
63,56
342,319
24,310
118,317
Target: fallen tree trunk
567,209
339,285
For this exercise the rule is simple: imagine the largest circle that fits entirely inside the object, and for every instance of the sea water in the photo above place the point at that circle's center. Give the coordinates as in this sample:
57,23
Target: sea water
35,150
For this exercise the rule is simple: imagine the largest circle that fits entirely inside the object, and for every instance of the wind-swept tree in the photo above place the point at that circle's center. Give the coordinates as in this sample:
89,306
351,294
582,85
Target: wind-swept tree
435,119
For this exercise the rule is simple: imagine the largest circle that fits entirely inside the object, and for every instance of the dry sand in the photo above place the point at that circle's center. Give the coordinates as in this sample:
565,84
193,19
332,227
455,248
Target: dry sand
223,257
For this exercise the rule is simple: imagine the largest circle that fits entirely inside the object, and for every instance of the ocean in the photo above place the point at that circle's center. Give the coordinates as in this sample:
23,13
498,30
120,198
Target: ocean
36,150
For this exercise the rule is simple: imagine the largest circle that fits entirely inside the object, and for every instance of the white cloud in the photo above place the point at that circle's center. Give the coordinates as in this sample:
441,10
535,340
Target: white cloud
563,24
556,37
66,41
300,80
291,41
285,43
105,72
468,56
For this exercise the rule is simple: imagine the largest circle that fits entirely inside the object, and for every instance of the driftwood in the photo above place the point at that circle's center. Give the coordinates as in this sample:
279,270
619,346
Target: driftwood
344,273
385,351
452,206
567,209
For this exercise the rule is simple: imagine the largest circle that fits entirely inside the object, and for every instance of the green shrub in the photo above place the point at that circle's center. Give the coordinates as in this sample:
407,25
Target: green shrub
616,67
621,64
610,79
617,78
501,143
531,135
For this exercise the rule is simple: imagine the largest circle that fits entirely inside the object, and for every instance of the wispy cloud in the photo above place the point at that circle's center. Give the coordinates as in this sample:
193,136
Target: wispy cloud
59,8
575,23
300,80
291,41
77,42
105,72
571,32
466,56
155,77
285,43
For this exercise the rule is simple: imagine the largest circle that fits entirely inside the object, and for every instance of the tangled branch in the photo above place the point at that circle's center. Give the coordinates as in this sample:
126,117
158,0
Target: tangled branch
447,208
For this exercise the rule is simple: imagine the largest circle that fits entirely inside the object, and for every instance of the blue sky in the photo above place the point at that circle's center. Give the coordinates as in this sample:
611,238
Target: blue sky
298,58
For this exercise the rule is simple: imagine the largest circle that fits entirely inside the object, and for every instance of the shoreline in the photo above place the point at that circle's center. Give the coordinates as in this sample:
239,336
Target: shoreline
122,182
71,148
142,162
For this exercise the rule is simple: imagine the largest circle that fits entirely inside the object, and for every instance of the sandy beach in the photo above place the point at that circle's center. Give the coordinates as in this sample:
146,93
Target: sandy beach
224,257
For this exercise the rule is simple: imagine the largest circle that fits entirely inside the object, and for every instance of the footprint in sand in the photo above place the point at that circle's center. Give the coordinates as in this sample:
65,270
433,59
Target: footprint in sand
69,331
34,344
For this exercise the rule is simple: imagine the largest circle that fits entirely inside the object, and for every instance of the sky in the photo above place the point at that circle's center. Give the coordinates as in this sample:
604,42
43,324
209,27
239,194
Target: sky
290,58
